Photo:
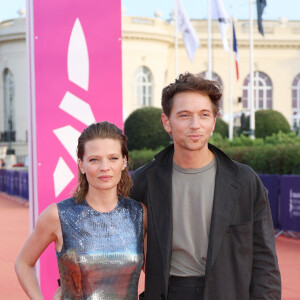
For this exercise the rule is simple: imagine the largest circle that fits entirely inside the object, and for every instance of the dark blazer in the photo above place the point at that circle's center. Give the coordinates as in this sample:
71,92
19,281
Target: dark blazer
241,259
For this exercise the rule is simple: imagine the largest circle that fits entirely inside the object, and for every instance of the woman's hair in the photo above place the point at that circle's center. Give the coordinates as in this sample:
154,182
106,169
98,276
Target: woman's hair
102,130
191,83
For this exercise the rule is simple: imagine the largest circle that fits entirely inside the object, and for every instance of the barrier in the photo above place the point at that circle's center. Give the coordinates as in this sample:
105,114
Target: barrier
272,183
2,180
290,203
23,185
14,183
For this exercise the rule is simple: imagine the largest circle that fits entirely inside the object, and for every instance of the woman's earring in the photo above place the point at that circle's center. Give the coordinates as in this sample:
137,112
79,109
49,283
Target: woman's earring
125,164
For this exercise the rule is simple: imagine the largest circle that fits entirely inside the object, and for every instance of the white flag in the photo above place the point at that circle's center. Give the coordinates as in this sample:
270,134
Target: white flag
184,25
219,13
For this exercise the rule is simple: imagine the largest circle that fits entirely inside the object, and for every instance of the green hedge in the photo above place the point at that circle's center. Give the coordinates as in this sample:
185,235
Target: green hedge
221,128
270,159
268,122
144,129
142,157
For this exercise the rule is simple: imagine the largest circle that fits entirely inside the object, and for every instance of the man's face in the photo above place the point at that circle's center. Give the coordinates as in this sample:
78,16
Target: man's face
191,121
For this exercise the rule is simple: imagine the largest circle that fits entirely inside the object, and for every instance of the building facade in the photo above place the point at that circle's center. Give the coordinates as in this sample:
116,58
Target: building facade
13,88
149,64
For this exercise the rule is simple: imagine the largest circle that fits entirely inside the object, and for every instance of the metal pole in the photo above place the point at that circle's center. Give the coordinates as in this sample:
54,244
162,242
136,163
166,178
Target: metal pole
176,40
251,82
209,59
230,81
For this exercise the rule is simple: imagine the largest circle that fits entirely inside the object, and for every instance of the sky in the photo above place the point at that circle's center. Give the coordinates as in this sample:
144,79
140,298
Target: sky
196,9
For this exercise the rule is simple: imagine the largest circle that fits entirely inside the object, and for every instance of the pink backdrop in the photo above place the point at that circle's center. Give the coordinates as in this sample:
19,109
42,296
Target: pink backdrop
76,78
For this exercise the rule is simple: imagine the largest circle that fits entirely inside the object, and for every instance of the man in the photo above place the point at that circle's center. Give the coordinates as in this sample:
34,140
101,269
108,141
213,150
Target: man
210,232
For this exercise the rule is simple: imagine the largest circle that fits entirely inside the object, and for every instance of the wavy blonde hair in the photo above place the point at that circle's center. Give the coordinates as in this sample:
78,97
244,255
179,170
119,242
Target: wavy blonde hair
102,130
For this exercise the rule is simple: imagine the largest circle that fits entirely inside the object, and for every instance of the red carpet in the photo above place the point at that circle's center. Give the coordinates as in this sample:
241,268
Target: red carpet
14,228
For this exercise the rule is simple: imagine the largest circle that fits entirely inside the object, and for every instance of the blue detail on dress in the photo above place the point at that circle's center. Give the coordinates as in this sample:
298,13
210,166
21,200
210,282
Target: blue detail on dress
102,253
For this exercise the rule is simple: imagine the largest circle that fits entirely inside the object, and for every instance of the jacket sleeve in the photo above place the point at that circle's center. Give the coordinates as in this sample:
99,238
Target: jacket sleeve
265,281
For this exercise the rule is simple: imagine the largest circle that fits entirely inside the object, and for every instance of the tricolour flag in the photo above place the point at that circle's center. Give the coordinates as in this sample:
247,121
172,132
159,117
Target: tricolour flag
235,50
219,13
261,4
184,25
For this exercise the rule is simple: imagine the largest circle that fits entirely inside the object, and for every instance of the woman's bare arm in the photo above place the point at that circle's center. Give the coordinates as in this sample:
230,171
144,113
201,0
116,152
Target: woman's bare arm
47,230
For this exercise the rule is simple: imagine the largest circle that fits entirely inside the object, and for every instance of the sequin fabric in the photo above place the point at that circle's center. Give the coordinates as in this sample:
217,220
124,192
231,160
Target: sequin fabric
102,253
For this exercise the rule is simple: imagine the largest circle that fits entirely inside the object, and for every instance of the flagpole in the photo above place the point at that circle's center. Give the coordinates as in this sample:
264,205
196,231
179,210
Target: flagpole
251,83
176,40
230,79
209,59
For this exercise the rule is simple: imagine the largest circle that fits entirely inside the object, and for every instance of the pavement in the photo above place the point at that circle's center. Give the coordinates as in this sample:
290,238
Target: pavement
14,229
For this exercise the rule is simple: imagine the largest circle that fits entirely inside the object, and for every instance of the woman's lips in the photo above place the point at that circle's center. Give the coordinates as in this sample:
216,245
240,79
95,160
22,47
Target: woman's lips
105,178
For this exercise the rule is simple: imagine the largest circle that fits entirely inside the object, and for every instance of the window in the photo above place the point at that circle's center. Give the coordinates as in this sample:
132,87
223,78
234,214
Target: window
9,109
262,91
143,87
296,101
217,78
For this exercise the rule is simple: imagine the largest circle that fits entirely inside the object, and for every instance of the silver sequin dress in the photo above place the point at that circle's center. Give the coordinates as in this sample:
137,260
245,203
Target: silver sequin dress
102,253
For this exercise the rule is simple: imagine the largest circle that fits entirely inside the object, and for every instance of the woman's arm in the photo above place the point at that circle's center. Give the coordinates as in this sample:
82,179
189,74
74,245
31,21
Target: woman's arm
47,230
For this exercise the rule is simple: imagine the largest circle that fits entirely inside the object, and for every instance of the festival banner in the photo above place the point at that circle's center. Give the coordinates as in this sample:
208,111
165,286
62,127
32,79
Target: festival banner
290,202
75,79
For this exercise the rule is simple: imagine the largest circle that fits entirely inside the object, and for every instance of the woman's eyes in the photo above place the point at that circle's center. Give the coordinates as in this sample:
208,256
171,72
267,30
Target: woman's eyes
96,159
114,158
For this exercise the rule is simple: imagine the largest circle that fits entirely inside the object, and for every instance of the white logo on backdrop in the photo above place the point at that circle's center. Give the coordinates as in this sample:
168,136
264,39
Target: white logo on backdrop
294,207
78,73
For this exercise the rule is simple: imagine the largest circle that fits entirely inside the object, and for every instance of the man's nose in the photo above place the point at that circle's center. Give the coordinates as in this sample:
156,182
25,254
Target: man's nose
195,122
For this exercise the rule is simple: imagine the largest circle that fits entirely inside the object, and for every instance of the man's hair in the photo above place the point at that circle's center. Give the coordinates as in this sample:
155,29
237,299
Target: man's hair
191,83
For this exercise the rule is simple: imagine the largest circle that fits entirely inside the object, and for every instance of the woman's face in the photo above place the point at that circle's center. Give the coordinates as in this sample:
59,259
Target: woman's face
102,163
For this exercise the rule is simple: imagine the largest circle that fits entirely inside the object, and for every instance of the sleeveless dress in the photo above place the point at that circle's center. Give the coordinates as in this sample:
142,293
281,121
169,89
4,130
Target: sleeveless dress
102,253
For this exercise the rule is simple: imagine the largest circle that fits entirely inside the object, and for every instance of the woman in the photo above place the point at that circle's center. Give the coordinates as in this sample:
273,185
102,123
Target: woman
98,233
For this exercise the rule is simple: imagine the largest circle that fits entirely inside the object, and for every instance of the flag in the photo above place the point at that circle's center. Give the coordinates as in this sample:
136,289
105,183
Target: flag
261,4
235,50
184,25
219,13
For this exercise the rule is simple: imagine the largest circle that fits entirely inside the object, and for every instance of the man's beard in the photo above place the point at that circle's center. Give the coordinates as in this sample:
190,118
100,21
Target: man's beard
190,146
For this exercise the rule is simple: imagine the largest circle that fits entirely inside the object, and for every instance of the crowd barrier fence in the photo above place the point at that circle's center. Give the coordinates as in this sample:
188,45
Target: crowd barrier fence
14,183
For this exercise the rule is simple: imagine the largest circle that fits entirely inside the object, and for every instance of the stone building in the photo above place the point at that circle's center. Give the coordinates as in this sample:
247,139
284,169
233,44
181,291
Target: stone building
149,64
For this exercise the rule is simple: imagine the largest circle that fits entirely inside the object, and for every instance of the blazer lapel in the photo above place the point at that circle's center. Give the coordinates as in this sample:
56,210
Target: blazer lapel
227,191
160,189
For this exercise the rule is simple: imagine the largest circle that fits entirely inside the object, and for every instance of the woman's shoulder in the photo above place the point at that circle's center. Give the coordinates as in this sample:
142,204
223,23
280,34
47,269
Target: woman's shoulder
49,217
66,203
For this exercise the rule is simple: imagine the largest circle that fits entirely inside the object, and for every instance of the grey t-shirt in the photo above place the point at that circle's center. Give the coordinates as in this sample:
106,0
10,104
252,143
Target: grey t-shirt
192,202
